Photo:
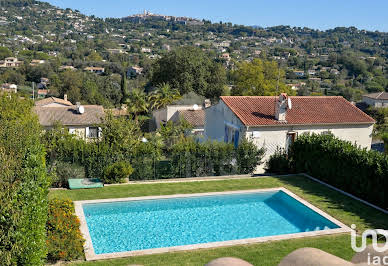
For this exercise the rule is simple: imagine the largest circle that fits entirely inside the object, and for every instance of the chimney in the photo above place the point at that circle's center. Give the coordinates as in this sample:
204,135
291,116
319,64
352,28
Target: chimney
65,97
281,108
207,103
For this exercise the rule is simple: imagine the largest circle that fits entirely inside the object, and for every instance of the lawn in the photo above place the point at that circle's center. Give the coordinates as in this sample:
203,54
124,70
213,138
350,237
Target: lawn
332,202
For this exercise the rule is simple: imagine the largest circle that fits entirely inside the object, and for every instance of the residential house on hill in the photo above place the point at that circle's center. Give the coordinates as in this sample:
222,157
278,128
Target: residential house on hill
275,122
37,62
10,62
54,102
8,87
378,99
81,120
96,70
196,118
134,71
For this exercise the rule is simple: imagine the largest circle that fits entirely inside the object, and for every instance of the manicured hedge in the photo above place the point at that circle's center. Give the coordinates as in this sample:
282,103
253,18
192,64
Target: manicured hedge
64,239
340,163
153,160
23,185
192,159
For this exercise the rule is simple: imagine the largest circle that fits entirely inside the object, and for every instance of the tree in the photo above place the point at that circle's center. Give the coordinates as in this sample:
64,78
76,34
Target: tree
189,69
259,77
124,88
71,84
163,96
120,133
94,57
4,53
137,103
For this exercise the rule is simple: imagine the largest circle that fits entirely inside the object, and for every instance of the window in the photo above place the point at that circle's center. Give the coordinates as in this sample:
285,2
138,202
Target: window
232,135
93,132
291,137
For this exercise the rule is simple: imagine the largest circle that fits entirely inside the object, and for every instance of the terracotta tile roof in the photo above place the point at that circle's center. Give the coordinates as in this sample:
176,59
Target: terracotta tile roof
68,115
306,110
51,100
378,96
195,117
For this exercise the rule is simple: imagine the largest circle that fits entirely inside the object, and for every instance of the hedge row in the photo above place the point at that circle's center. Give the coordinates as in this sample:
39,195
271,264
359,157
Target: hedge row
186,158
341,164
23,185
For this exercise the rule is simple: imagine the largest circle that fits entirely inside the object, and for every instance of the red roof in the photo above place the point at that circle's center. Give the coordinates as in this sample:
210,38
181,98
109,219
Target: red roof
306,110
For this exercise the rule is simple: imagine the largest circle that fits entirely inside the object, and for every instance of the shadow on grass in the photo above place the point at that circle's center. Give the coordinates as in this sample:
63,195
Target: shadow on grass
340,206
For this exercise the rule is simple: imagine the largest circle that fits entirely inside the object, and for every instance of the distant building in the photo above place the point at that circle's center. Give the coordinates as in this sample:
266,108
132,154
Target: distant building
378,99
166,47
311,72
299,74
42,93
296,86
134,71
8,87
44,82
96,70
225,56
146,50
334,71
11,62
67,68
36,62
116,51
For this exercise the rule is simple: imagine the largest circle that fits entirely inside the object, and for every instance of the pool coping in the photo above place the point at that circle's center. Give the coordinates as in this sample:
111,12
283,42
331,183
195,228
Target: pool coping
91,255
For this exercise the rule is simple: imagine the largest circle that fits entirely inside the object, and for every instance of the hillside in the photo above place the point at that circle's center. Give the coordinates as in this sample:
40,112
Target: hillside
340,61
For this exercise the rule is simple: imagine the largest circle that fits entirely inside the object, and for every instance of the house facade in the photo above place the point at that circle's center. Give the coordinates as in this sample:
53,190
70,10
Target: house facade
95,70
80,120
10,62
378,100
275,122
9,88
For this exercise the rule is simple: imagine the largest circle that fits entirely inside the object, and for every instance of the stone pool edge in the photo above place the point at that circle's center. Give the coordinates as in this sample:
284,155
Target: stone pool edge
90,255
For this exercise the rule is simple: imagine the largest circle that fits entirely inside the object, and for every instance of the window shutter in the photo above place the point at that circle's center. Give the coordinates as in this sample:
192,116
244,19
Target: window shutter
87,132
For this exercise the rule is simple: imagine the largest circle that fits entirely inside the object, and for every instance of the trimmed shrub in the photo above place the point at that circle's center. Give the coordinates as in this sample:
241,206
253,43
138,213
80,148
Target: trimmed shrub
64,239
192,159
341,164
248,157
23,185
278,162
117,172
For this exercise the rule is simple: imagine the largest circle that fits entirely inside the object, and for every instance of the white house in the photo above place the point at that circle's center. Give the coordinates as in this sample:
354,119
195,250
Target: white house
272,122
378,99
96,70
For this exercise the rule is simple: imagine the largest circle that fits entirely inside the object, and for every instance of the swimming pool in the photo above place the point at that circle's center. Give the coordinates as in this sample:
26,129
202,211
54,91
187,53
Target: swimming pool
147,225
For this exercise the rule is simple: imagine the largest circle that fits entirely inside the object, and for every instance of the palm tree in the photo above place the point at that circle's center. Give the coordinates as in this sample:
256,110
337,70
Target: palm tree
163,96
137,103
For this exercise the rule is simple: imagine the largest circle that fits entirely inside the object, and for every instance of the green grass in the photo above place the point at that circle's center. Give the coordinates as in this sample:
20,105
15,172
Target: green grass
334,203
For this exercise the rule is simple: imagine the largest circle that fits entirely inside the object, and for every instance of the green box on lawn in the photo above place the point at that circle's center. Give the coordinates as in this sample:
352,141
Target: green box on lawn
85,183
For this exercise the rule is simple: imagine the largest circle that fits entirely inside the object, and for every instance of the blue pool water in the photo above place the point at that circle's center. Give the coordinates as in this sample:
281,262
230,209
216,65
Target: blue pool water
147,224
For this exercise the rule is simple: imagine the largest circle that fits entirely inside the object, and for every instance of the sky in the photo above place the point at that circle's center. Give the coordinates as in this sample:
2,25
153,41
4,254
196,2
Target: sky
317,14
